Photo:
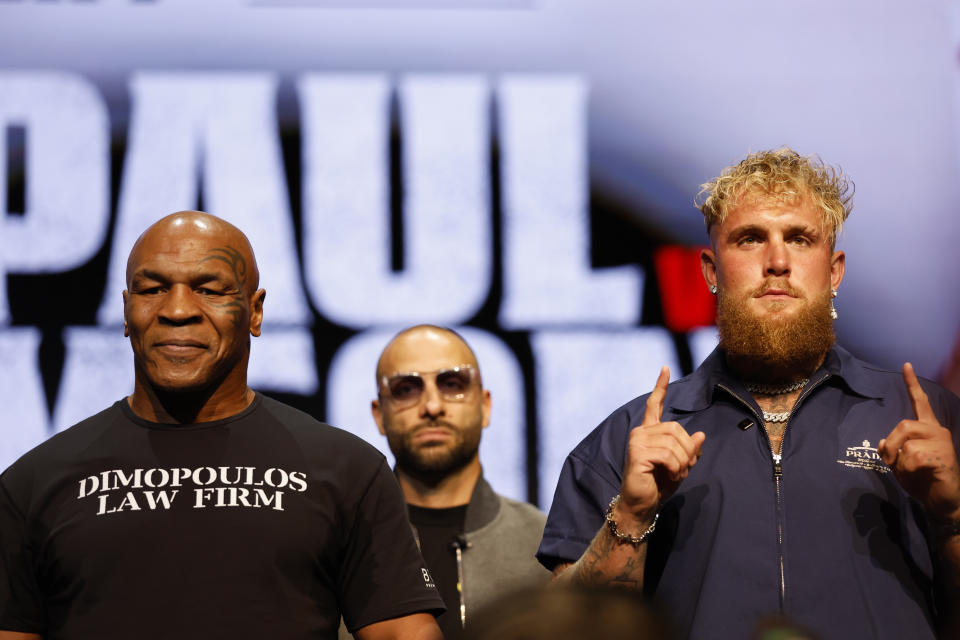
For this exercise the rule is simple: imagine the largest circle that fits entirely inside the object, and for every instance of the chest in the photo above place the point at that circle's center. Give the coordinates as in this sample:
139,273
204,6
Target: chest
113,525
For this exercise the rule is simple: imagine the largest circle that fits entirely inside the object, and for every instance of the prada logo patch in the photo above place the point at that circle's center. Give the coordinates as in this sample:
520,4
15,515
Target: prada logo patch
863,457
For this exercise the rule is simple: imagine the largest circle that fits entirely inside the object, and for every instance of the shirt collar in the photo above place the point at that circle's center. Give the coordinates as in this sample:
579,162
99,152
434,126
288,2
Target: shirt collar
695,392
483,507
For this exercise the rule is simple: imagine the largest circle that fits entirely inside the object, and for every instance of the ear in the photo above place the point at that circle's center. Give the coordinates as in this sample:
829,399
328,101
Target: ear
485,405
256,311
377,416
126,330
708,266
837,266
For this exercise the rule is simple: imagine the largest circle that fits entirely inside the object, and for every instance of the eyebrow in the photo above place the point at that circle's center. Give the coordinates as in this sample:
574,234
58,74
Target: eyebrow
746,230
202,277
763,231
804,229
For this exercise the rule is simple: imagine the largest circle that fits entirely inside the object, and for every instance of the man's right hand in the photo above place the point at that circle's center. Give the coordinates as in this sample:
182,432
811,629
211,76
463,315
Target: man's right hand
659,457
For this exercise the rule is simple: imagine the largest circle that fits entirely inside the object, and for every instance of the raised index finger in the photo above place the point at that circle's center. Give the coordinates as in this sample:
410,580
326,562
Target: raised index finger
654,409
918,398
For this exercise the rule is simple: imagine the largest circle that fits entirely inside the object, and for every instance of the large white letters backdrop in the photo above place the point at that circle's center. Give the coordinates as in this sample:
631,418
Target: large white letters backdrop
217,134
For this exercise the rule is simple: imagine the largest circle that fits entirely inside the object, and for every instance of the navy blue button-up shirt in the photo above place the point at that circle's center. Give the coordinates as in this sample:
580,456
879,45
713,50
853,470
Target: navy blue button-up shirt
853,546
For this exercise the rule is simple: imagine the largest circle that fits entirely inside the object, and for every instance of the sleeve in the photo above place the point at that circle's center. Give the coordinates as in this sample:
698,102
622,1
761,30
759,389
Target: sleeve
21,602
382,574
590,477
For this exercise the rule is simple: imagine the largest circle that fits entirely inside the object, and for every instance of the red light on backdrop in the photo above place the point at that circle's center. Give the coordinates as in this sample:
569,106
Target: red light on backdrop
686,302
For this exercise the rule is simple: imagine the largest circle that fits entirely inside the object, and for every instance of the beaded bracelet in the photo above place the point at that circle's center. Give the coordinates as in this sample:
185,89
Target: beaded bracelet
624,538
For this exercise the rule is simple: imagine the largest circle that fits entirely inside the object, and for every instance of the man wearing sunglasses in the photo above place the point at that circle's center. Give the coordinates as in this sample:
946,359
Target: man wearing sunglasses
784,476
196,507
432,407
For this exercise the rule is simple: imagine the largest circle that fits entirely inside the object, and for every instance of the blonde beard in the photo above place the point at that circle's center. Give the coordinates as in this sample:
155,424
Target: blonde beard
775,350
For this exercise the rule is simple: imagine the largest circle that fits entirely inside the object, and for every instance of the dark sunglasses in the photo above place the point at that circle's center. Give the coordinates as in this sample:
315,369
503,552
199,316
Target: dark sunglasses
405,389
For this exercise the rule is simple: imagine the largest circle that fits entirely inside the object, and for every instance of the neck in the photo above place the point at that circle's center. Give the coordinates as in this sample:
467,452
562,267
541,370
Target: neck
452,490
763,371
188,407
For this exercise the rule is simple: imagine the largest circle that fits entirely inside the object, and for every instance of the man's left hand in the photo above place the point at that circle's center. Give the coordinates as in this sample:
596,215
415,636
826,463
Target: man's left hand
921,454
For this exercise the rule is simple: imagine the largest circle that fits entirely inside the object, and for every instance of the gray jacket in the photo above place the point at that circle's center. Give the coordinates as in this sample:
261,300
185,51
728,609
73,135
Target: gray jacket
502,536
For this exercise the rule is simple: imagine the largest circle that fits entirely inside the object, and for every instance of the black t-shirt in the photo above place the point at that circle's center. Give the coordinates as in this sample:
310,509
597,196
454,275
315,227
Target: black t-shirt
266,524
438,529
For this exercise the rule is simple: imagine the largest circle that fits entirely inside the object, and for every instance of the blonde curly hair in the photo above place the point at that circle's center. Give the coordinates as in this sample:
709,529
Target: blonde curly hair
782,175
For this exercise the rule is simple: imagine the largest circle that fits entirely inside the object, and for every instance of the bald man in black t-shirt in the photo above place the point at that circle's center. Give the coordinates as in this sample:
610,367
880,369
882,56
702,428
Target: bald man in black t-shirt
196,507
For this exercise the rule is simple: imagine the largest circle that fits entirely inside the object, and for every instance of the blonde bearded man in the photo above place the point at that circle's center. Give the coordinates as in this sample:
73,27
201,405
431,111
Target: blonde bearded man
784,476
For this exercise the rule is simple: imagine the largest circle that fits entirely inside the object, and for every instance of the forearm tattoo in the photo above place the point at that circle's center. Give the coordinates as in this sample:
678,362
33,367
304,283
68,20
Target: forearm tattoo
594,567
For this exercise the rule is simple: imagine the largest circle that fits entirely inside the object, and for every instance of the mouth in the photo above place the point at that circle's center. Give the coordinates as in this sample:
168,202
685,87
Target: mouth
431,434
180,348
776,293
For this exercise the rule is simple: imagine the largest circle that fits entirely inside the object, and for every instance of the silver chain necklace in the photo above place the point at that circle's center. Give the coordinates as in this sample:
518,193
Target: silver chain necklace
776,417
773,390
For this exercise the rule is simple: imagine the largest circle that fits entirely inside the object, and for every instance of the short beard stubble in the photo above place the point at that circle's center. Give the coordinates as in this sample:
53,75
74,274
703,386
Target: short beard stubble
774,349
430,464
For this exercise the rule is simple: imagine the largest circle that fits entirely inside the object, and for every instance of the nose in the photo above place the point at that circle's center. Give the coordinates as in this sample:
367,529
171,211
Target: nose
777,258
432,406
179,307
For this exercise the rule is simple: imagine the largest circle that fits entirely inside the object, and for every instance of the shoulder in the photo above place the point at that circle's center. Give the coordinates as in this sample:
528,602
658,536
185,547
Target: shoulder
688,393
338,455
313,433
891,380
42,464
613,430
609,438
518,521
522,511
73,441
883,381
887,388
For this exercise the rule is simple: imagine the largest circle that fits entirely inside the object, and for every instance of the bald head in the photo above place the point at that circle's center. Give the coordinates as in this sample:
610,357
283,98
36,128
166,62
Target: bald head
198,226
432,407
190,308
424,347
